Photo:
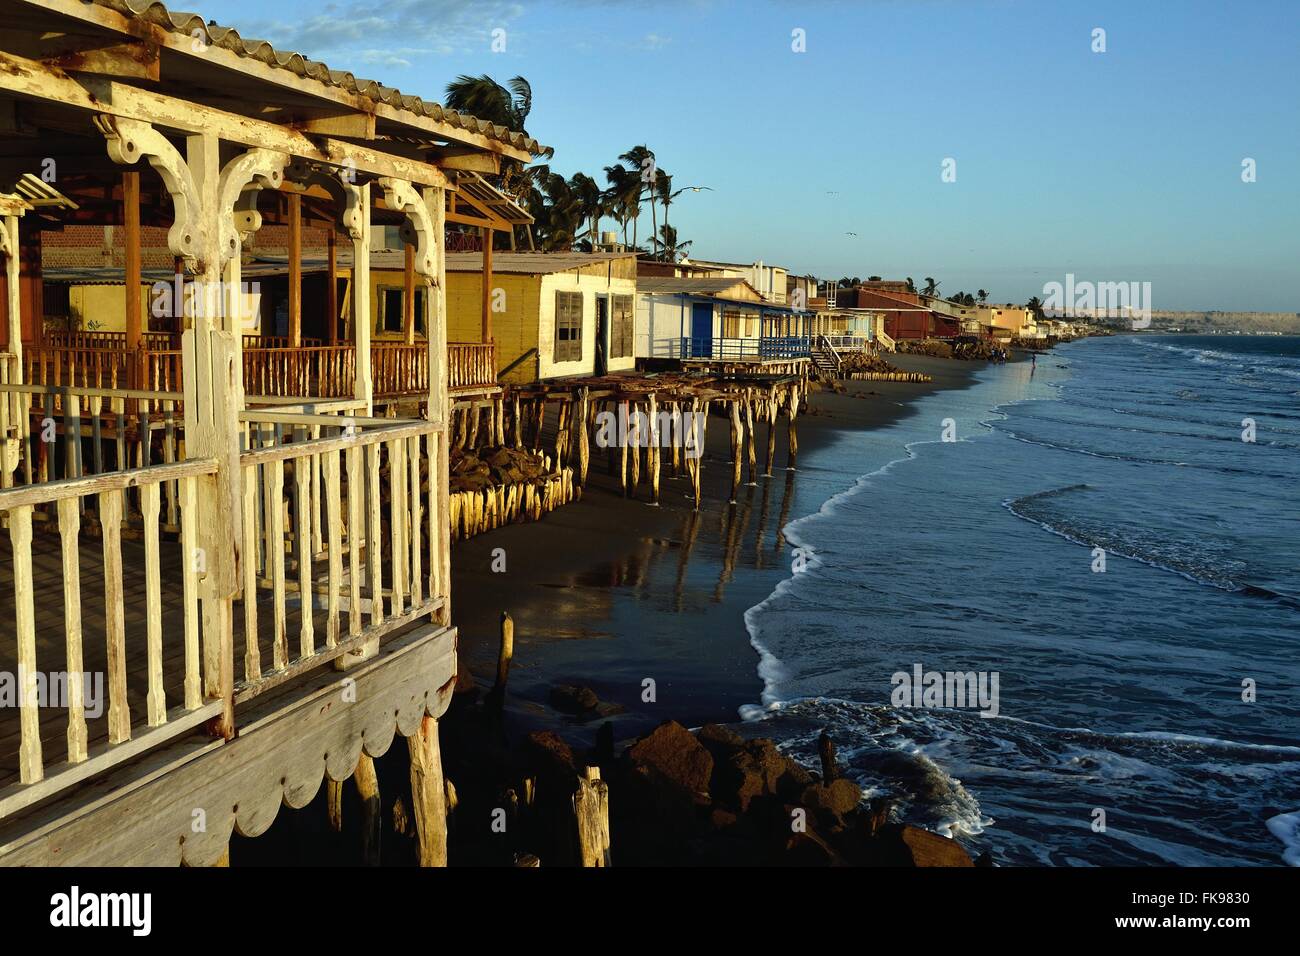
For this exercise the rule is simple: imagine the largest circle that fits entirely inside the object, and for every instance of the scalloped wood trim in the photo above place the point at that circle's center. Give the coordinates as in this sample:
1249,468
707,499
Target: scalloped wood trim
280,757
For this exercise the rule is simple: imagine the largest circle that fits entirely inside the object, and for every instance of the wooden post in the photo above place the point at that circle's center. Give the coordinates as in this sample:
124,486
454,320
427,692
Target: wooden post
653,453
334,804
367,782
332,288
751,450
408,295
826,750
295,270
487,284
131,247
591,808
793,410
584,450
428,793
504,656
737,438
364,385
772,407
634,446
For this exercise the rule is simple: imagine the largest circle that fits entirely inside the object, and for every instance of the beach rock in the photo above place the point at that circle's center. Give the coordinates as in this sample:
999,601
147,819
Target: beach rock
672,756
906,845
718,740
572,699
548,756
832,802
931,849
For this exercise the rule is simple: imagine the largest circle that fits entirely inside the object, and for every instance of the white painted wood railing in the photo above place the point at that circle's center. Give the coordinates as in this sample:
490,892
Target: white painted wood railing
128,735
335,537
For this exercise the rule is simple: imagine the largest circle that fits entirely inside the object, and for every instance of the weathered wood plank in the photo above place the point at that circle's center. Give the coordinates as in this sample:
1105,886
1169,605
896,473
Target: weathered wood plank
30,768
150,503
119,714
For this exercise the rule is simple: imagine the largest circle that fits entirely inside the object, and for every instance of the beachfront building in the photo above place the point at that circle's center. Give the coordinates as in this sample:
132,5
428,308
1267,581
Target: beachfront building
229,552
906,315
552,314
721,318
1014,319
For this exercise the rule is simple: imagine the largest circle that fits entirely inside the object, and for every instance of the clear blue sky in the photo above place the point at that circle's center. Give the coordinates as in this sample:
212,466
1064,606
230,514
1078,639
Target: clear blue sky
1116,166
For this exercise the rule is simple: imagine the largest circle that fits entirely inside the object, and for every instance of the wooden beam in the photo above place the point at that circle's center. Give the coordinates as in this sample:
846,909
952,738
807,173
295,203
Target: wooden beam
34,80
295,270
352,125
79,53
452,158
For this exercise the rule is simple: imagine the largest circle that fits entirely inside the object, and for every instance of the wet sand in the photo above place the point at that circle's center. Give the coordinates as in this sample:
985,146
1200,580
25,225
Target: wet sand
612,593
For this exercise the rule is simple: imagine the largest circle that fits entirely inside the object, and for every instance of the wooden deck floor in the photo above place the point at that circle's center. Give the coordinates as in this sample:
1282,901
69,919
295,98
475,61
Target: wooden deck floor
51,651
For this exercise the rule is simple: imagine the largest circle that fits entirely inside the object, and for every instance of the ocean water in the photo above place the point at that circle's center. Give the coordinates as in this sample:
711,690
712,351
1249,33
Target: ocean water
1122,735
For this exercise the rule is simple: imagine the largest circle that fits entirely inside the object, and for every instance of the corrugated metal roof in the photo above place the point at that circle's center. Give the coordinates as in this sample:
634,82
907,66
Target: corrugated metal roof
710,286
228,38
528,263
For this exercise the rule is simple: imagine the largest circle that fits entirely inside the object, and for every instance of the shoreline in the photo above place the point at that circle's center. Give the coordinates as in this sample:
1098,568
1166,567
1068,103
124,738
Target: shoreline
569,579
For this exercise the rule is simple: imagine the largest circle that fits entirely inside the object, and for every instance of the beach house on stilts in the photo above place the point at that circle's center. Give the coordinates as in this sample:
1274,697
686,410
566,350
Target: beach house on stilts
224,579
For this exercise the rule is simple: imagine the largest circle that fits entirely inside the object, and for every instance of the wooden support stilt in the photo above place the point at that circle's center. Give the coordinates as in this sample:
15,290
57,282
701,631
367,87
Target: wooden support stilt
772,407
541,420
518,422
634,442
367,782
584,451
751,450
428,793
591,808
737,438
334,804
793,411
676,436
504,656
652,451
625,425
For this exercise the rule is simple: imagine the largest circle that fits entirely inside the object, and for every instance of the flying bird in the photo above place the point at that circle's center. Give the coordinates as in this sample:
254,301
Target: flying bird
854,234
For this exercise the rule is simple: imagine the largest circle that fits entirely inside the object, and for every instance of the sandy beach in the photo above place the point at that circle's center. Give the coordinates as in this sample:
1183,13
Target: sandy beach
570,579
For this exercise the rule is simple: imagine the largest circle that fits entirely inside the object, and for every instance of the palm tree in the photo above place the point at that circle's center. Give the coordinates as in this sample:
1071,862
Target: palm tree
983,296
486,99
636,158
623,194
1036,304
591,202
911,286
931,287
672,247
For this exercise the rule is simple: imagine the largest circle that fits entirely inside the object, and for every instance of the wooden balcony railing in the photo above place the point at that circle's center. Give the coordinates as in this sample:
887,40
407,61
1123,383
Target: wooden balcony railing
41,656
471,364
398,370
337,545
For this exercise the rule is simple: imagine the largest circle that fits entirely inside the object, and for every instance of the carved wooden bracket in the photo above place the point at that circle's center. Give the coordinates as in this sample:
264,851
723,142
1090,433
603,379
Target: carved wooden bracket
127,141
340,183
401,196
7,247
256,168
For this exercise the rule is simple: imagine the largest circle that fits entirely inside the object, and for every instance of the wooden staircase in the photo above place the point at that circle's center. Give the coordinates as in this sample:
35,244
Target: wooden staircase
826,358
